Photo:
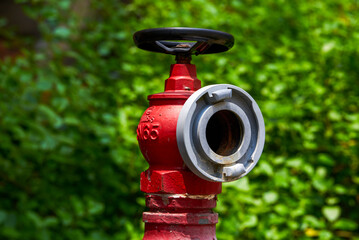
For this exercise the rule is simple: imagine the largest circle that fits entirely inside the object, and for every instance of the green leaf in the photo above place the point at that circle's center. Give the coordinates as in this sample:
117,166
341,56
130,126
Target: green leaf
36,219
249,221
62,32
324,234
270,197
266,168
2,216
345,224
331,213
242,184
95,207
327,47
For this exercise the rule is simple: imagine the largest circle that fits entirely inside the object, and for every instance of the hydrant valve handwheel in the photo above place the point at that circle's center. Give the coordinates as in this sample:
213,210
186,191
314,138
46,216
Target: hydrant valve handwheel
220,133
205,41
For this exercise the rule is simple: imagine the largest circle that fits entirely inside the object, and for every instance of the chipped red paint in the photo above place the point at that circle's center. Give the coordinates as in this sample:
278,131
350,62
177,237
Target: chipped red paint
180,217
177,182
180,203
197,203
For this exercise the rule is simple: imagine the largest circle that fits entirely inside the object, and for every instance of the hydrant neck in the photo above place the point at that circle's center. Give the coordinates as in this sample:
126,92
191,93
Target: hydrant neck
183,77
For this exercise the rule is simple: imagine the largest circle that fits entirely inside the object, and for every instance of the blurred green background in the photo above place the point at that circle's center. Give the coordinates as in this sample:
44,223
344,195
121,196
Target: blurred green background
73,88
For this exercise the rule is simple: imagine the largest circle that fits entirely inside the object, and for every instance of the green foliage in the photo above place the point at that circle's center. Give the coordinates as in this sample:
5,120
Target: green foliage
69,161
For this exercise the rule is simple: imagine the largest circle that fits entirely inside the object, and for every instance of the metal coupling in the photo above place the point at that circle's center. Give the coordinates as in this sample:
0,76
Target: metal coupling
220,133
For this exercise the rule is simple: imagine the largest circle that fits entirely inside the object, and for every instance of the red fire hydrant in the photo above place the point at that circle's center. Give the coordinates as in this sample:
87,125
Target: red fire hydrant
193,138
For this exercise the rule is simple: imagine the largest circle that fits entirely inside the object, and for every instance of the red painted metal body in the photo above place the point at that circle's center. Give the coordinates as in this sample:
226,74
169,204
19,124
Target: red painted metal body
180,203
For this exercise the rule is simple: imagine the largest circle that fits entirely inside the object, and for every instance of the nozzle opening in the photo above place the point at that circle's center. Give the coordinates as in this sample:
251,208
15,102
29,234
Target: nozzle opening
224,132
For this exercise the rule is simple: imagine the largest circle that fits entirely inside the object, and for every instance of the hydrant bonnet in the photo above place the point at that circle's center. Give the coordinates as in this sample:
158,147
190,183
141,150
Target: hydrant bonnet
220,133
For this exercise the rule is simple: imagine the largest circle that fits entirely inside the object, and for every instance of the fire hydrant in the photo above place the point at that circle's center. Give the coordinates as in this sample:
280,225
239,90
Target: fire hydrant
193,138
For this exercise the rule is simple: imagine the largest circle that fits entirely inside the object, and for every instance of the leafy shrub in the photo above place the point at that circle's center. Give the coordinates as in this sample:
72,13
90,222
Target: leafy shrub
69,161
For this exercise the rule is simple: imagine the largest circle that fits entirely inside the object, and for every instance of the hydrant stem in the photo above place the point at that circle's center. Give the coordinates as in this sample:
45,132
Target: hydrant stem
183,58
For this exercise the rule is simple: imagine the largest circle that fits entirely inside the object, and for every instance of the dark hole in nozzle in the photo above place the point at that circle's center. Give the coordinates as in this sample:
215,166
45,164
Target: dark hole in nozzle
224,132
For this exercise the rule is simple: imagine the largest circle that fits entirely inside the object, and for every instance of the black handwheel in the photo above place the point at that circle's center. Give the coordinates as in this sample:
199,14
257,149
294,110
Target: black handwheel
202,41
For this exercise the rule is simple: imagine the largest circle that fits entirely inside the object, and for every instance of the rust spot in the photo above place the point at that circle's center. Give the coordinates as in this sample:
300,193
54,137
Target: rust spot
165,200
183,45
203,221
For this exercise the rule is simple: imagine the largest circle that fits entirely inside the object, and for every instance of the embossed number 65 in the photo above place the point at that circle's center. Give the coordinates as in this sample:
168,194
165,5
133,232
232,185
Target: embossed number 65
147,131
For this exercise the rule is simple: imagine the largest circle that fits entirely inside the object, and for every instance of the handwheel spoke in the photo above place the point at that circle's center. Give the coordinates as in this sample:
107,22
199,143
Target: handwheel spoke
199,47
